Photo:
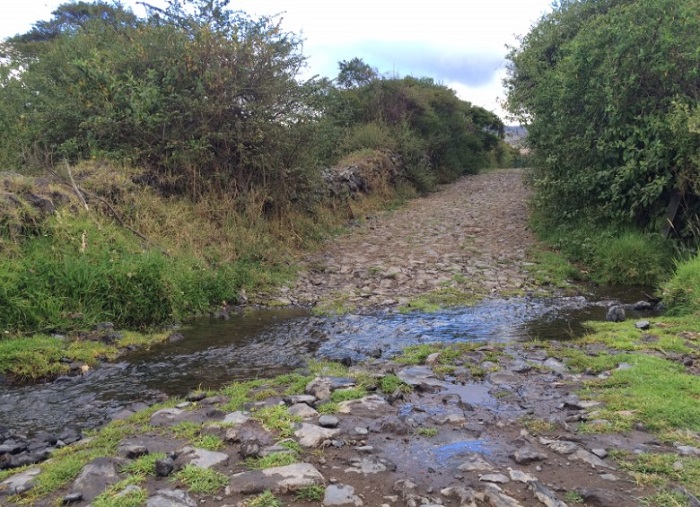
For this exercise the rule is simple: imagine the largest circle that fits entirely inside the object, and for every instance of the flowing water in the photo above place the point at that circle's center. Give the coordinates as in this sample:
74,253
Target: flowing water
267,342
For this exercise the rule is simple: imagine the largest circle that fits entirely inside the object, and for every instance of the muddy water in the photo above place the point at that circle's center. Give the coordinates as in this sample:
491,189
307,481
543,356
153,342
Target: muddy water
268,342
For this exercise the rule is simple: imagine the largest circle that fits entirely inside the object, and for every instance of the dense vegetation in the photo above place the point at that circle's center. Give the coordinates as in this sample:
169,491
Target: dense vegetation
609,90
199,153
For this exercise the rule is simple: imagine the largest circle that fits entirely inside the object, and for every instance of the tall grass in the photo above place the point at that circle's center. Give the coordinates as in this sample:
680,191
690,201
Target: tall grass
682,291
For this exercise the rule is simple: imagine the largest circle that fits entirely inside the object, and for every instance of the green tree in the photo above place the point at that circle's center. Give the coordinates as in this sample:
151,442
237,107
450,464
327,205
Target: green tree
607,88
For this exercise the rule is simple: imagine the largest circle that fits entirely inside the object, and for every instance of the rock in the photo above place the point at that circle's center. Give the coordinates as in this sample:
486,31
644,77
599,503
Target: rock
175,337
527,455
319,388
390,424
164,467
596,497
466,496
520,366
369,406
196,396
341,494
591,459
370,465
303,410
171,498
642,306
504,378
132,451
310,435
97,476
609,477
236,417
601,453
555,366
545,495
687,450
497,478
19,483
433,358
475,461
72,498
286,479
563,447
616,313
201,457
328,421
300,398
167,417
497,498
642,324
419,376
520,476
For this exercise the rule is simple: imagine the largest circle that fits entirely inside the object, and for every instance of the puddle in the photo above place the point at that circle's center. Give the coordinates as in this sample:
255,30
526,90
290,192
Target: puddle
456,450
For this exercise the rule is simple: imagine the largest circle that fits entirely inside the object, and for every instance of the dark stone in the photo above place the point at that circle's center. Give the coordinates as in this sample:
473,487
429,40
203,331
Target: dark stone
133,451
250,449
390,424
596,497
616,313
72,498
196,396
642,306
527,455
164,467
104,326
328,421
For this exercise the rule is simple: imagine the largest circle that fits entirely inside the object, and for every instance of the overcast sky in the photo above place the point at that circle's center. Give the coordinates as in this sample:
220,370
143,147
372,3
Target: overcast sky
461,44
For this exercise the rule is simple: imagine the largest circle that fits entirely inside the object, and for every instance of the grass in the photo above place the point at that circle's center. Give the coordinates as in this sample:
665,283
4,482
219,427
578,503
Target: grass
573,497
122,494
310,493
660,470
341,395
143,465
390,384
276,459
327,408
201,480
266,499
208,442
552,268
277,418
427,432
682,291
442,298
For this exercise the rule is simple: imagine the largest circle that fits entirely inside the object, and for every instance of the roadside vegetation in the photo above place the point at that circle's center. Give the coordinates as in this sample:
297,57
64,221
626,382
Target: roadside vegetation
613,124
154,169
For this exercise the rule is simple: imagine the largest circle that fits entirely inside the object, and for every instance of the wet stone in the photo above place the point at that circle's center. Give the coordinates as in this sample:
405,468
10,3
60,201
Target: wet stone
96,476
341,494
527,455
19,483
475,461
328,421
132,451
164,467
286,479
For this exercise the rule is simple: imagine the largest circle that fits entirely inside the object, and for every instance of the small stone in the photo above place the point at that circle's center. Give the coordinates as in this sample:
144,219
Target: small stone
616,313
527,455
164,467
497,478
303,410
601,453
310,435
202,457
642,324
475,461
341,494
328,421
687,450
196,396
236,417
171,498
72,498
433,358
183,405
520,476
132,451
609,477
361,431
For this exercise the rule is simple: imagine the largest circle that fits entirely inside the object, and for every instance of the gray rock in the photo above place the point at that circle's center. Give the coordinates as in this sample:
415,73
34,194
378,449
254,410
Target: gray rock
300,398
419,376
171,498
601,453
303,410
498,498
202,457
132,451
616,313
466,496
370,465
687,450
167,417
72,498
97,476
320,388
520,476
520,366
504,378
545,495
591,459
563,447
369,406
341,494
310,435
555,366
390,424
433,358
236,417
497,478
596,497
328,421
609,477
19,483
475,461
642,324
642,306
286,479
527,455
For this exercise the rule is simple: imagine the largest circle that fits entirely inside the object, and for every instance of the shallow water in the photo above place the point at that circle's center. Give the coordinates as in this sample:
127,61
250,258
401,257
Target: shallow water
267,342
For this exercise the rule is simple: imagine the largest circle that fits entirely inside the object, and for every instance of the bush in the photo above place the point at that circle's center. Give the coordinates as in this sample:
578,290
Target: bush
682,291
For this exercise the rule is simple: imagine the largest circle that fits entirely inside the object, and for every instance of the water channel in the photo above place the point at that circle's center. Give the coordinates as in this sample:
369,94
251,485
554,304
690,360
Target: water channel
266,342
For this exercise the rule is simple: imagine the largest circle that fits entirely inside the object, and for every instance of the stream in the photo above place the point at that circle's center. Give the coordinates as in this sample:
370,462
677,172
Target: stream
268,342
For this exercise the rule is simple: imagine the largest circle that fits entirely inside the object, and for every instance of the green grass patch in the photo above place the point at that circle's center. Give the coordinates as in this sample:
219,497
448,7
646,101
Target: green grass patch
427,432
208,442
653,391
277,418
266,499
682,291
327,408
552,268
122,494
341,395
390,384
327,369
276,459
201,480
310,493
660,470
442,298
143,465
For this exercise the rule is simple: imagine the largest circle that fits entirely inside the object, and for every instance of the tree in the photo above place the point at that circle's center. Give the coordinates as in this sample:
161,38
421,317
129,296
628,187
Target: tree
355,73
602,85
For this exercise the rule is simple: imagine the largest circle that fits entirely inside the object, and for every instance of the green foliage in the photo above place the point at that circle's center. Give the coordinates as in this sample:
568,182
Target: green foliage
123,494
143,465
310,493
201,480
682,291
266,499
427,432
277,418
276,459
609,91
340,395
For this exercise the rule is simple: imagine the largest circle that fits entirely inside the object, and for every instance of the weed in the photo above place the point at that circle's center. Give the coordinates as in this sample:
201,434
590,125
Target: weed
276,418
666,499
201,480
208,442
327,408
390,384
122,494
572,496
536,425
427,432
186,430
327,368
